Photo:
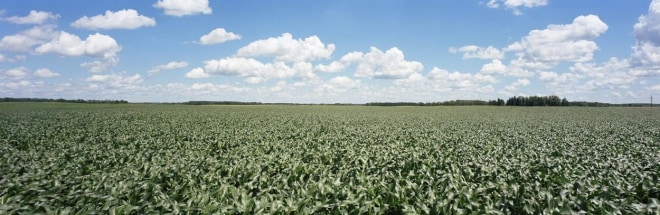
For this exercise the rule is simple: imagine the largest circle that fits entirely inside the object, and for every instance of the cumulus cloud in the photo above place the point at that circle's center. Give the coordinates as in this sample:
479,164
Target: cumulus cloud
646,52
253,70
377,64
209,88
516,85
458,79
23,84
17,73
96,45
340,84
337,66
613,74
45,73
473,51
197,73
249,67
218,35
16,58
514,69
654,88
494,67
648,26
278,87
184,7
122,19
516,4
25,40
555,79
23,72
34,17
168,66
100,65
116,80
285,48
570,42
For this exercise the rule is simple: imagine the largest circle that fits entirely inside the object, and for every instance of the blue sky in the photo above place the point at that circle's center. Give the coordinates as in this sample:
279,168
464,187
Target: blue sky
330,51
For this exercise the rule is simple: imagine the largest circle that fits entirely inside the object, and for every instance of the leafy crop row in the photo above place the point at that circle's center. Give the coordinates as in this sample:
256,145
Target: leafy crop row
304,159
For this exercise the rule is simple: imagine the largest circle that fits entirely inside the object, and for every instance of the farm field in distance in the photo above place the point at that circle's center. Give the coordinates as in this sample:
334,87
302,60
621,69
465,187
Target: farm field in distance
152,158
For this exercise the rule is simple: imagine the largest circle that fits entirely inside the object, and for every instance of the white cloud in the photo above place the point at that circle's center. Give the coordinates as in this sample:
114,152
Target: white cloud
545,49
101,64
646,52
122,19
258,72
455,79
116,80
516,4
202,86
96,45
337,66
516,85
248,67
518,68
17,43
340,84
278,87
16,85
209,88
654,88
285,48
45,73
494,67
234,66
304,71
416,79
608,68
35,17
566,79
218,35
168,66
613,74
17,73
571,42
383,65
184,7
25,40
197,73
16,58
473,51
255,80
438,84
648,26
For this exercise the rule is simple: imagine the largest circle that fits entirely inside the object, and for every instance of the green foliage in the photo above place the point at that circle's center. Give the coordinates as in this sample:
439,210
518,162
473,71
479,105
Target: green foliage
140,159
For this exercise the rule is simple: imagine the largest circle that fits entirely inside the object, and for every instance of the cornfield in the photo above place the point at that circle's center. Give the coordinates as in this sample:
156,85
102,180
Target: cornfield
139,159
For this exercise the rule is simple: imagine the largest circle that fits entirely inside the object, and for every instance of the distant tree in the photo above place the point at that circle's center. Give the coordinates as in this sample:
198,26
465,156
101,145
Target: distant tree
500,102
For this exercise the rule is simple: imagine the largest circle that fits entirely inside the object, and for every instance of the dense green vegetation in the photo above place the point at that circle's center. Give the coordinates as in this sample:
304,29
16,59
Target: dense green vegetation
138,159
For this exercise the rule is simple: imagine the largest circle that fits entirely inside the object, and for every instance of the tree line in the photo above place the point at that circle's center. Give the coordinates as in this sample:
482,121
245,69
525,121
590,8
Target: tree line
220,103
88,101
537,101
512,101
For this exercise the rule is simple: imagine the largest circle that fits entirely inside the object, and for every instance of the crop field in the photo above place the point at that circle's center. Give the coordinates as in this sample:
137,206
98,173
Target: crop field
139,159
